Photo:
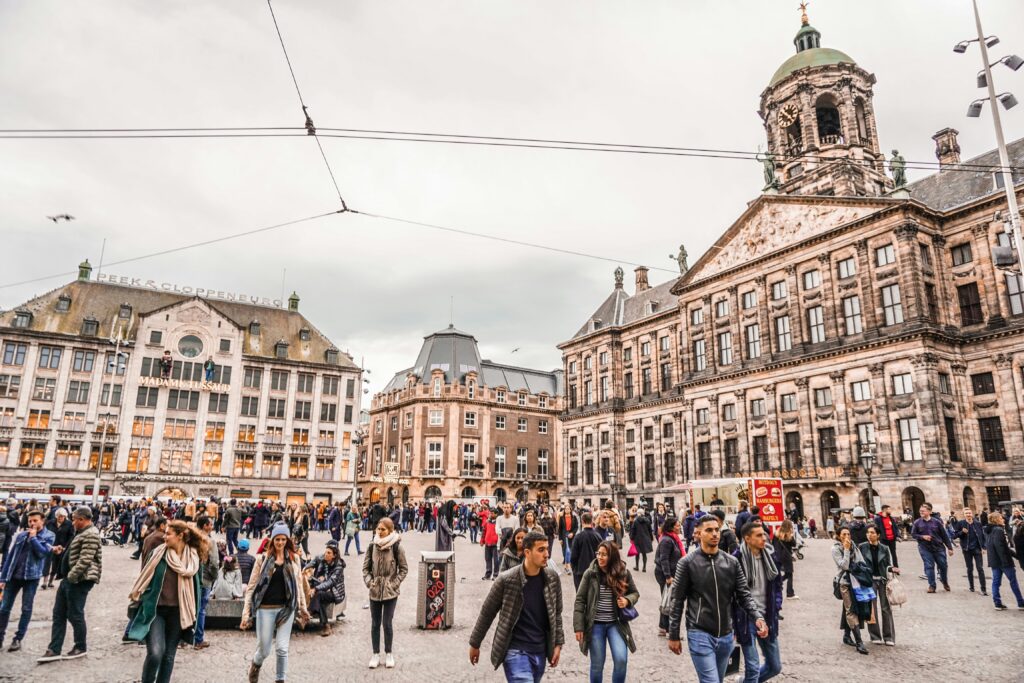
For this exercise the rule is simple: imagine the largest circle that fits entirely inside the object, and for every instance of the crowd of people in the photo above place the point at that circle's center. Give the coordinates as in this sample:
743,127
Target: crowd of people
722,580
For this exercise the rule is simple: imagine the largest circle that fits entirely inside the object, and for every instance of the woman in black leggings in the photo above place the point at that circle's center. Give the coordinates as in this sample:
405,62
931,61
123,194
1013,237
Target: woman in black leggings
384,569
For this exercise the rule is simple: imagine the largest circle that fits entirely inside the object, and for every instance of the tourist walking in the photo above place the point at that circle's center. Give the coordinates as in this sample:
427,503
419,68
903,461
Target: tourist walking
568,527
81,569
274,599
705,584
605,604
208,574
765,583
1000,561
584,548
971,535
881,627
889,530
352,530
527,601
852,574
21,572
785,546
512,553
63,532
232,524
492,553
165,598
931,537
384,570
669,552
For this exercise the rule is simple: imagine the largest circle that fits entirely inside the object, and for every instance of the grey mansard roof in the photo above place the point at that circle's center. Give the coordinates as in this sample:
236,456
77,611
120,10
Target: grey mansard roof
621,309
956,186
456,354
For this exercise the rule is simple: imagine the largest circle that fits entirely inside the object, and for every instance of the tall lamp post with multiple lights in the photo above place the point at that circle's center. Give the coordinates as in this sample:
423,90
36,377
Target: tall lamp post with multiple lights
1003,256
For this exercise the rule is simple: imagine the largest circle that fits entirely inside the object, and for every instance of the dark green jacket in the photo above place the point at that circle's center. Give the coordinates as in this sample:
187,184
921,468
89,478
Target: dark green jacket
586,606
139,628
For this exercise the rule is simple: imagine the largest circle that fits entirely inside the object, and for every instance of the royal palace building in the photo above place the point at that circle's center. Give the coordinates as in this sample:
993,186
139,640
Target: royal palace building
844,314
172,392
458,426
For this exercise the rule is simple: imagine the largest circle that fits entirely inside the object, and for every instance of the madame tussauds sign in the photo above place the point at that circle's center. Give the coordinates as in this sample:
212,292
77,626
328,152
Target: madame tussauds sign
186,290
184,384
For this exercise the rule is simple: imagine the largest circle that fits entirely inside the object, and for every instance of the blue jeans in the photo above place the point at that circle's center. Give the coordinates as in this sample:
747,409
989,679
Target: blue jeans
232,534
523,667
997,579
931,559
348,542
269,635
204,600
566,551
754,671
600,634
28,597
710,655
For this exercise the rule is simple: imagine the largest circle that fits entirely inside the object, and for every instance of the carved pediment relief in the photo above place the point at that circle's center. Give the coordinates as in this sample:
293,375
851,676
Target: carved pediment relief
984,405
790,420
866,410
902,402
193,314
886,274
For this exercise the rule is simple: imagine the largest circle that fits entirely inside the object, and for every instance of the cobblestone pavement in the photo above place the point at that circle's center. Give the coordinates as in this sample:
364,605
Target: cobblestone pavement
955,636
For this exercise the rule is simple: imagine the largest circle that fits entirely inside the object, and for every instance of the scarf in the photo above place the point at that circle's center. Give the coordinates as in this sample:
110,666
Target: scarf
675,537
185,564
747,558
385,542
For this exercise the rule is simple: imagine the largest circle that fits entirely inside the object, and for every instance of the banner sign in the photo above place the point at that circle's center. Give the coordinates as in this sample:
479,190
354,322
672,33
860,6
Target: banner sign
768,497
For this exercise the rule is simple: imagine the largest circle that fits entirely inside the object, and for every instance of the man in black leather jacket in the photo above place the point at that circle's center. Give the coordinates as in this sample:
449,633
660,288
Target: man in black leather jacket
708,581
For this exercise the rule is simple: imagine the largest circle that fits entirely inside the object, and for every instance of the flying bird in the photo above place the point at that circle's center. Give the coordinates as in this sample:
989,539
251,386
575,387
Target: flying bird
515,349
61,217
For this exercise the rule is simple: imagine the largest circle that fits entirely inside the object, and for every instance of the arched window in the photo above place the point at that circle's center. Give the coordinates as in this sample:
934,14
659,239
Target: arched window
500,495
468,492
432,493
830,127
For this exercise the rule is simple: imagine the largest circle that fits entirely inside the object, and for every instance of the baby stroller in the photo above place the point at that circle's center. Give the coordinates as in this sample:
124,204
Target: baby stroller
111,535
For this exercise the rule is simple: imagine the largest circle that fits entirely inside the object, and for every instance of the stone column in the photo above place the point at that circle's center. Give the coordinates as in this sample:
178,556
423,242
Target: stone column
1013,431
686,441
885,454
794,309
742,437
970,439
844,440
868,298
771,419
714,424
806,418
942,280
828,299
988,289
908,259
929,410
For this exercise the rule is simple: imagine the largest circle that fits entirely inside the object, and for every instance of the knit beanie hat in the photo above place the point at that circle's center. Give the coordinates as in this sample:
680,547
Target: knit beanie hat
280,529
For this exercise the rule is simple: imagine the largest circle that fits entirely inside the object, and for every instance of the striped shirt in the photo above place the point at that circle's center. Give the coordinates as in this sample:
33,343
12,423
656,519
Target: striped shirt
606,612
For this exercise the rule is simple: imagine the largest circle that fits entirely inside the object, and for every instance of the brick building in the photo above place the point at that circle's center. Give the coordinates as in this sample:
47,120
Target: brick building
839,315
274,418
457,426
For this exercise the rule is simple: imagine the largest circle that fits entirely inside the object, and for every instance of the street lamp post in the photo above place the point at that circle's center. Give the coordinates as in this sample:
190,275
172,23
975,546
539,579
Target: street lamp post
1007,100
867,461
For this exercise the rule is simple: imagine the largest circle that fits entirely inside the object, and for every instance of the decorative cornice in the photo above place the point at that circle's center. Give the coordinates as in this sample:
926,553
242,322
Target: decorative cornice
837,377
906,232
825,258
1003,361
801,382
877,369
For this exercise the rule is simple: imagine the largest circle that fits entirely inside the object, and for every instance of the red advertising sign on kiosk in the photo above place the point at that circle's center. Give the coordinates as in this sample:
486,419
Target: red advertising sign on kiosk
767,495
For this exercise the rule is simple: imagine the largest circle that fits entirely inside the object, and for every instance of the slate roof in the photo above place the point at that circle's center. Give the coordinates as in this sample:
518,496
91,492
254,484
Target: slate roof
102,301
621,309
953,187
456,354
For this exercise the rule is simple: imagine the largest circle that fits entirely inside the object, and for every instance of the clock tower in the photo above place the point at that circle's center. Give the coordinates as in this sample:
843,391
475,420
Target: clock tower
820,123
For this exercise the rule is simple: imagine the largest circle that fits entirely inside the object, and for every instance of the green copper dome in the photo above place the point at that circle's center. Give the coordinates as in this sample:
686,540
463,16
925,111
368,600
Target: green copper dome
818,56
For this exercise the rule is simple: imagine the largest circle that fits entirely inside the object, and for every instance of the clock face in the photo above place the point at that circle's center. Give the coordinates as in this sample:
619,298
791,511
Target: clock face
788,115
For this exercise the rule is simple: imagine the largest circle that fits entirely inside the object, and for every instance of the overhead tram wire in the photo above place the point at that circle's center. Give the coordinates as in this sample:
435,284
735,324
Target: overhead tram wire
183,247
458,139
310,128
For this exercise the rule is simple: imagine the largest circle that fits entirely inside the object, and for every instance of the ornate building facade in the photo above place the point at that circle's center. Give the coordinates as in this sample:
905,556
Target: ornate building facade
840,315
110,372
457,426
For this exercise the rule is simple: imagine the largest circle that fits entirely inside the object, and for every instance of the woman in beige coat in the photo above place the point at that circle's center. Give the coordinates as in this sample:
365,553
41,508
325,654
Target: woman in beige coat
384,570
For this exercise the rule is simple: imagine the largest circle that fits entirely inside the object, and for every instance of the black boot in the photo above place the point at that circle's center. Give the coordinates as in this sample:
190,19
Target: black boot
860,644
848,638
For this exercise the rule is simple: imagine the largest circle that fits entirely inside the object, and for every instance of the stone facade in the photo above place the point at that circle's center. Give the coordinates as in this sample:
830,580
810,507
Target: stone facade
274,420
457,426
835,317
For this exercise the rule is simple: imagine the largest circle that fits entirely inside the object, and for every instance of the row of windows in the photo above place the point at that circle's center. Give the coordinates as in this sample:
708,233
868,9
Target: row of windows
667,432
664,347
500,395
435,459
435,418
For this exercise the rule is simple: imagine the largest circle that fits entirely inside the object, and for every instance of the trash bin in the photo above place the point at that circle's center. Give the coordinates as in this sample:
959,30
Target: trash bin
435,594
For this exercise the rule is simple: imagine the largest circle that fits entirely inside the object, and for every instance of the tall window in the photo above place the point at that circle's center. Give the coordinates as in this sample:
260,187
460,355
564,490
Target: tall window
468,458
865,435
669,464
970,304
791,449
732,457
700,358
827,447
753,334
606,388
846,268
588,392
627,384
892,305
437,387
631,469
645,381
779,290
1015,292
885,255
542,462
902,384
812,279
861,391
961,254
931,301
992,447
704,458
521,454
725,348
499,461
649,472
760,448
697,316
783,335
823,397
851,315
910,439
666,376
816,324
952,445
434,457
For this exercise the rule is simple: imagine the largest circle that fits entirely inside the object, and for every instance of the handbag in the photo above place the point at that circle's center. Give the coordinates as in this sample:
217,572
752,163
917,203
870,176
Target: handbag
666,601
835,588
632,550
894,590
628,613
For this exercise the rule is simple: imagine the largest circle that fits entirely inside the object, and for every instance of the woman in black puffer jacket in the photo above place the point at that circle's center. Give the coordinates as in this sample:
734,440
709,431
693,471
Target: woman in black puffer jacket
327,584
668,554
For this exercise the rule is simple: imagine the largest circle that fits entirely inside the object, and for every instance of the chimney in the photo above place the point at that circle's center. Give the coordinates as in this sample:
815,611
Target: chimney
947,149
641,279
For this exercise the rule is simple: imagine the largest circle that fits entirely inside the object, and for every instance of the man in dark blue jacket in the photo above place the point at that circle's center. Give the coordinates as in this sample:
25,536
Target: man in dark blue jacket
972,543
930,534
765,583
21,571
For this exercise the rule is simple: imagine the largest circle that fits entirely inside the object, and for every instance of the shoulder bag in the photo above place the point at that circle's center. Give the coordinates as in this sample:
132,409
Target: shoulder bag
894,590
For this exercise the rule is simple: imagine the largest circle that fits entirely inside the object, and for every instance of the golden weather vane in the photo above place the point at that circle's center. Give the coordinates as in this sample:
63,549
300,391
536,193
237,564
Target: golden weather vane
803,13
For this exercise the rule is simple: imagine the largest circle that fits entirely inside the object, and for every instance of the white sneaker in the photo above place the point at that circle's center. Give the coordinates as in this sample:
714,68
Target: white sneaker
389,661
374,661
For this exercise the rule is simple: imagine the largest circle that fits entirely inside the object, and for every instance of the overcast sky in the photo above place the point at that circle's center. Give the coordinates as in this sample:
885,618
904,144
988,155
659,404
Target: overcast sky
653,72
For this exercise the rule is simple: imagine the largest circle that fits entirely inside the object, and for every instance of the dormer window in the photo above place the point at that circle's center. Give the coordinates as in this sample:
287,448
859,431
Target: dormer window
522,398
90,327
22,319
471,389
63,303
500,395
125,311
254,328
437,387
304,334
331,356
281,349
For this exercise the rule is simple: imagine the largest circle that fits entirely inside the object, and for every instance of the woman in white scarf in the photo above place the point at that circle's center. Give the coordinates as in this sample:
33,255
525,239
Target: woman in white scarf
166,594
384,569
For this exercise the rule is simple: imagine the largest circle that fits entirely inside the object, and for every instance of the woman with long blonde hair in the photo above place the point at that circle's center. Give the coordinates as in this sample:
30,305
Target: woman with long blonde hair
166,597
